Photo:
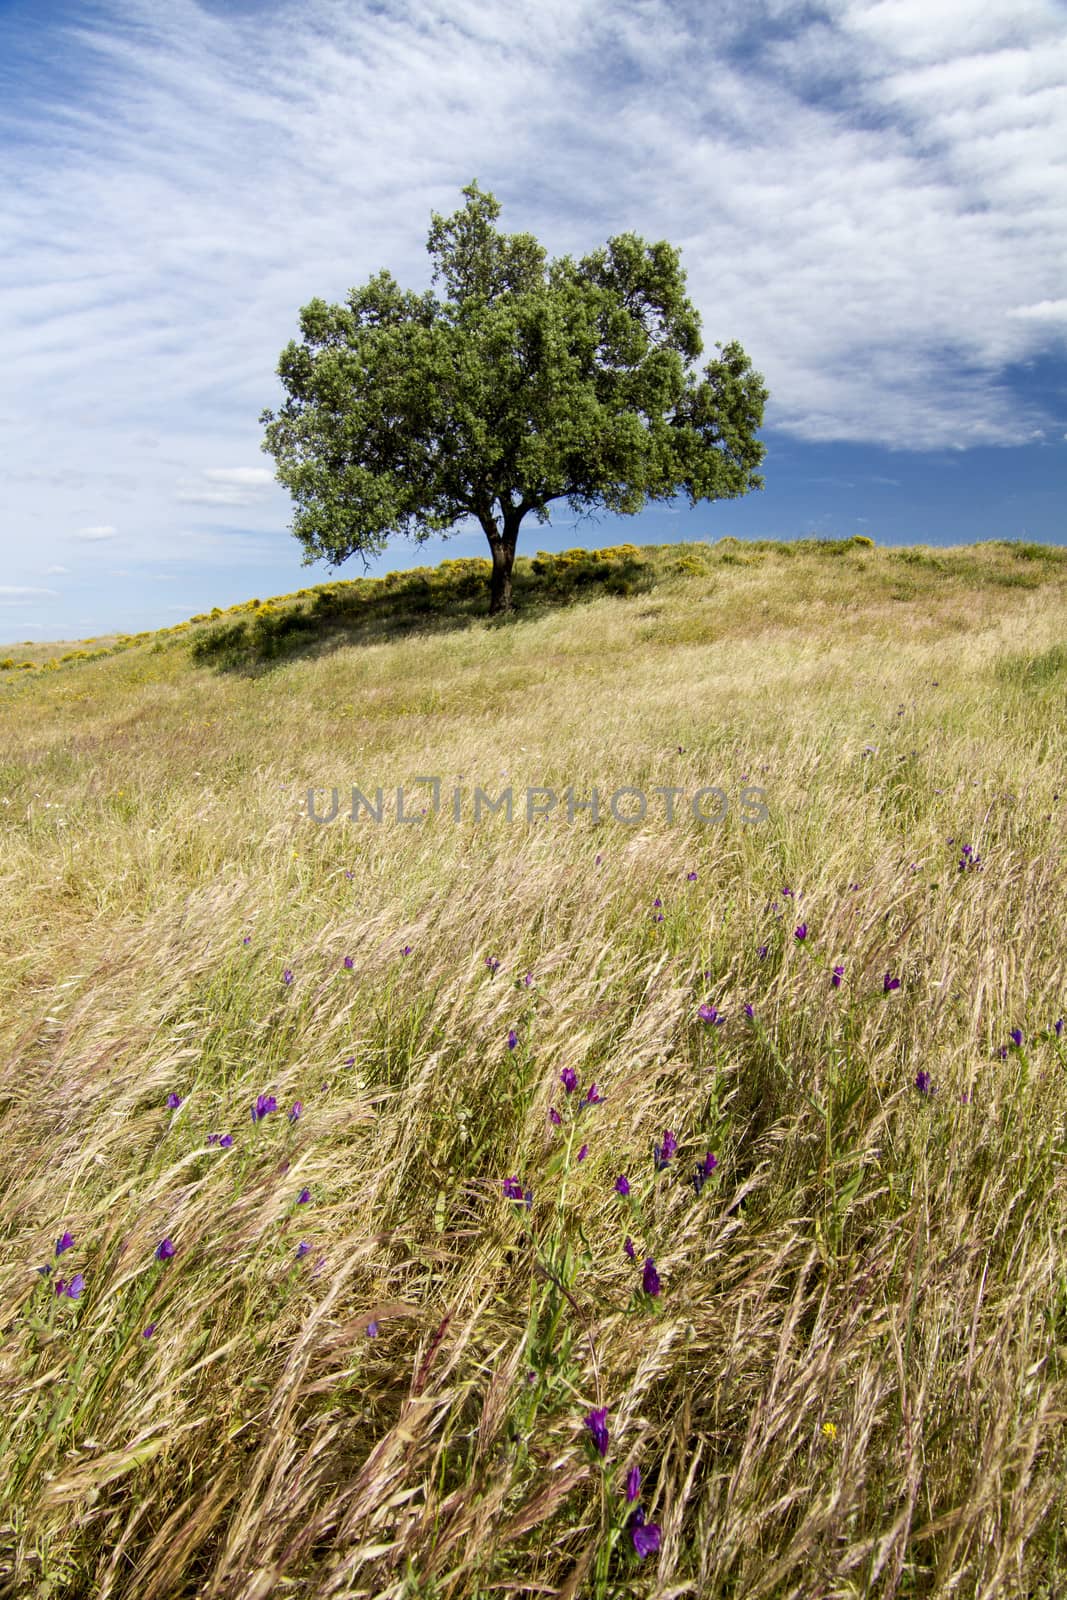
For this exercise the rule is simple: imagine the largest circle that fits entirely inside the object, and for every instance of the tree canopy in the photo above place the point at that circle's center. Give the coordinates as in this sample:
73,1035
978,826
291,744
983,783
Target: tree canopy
405,414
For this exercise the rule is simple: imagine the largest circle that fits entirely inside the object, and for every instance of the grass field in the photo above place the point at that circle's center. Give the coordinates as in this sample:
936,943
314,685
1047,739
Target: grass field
378,1196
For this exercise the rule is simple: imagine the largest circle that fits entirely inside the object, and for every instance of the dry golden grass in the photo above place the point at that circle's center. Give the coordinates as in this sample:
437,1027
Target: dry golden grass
852,1381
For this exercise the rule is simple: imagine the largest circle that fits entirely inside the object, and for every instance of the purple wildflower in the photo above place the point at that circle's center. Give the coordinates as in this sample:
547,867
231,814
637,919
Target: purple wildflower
922,1082
303,1197
590,1099
704,1170
513,1038
287,976
650,1277
164,1250
349,963
493,964
512,1189
800,933
888,984
265,1103
554,1116
596,1422
569,1079
528,980
690,877
406,950
628,1247
149,1331
247,939
750,1011
661,1154
1016,1037
835,981
622,1184
226,1141
633,1484
302,1250
174,1100
645,1535
762,952
64,1243
294,1115
1058,1026
583,1152
708,1013
372,1330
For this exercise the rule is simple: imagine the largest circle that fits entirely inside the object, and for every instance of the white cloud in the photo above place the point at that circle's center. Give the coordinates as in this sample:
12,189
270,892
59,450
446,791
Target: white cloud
823,232
868,194
226,486
1044,311
55,571
257,477
21,589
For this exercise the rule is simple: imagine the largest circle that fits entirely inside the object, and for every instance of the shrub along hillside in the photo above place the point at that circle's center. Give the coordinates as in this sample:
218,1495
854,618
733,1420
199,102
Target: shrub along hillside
547,1203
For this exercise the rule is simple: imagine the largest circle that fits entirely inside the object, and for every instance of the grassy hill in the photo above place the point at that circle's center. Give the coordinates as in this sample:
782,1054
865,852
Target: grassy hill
407,1184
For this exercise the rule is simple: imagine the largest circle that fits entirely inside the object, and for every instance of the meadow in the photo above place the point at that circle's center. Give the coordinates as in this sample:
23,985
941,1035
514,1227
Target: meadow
559,1204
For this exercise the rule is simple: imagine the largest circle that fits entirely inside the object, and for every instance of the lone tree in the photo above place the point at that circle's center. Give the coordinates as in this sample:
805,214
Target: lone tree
405,414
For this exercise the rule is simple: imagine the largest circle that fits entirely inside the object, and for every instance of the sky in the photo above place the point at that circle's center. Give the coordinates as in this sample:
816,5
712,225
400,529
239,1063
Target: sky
870,195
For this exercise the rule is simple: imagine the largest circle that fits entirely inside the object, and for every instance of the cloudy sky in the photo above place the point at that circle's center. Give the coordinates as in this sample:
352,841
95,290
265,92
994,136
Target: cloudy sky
871,195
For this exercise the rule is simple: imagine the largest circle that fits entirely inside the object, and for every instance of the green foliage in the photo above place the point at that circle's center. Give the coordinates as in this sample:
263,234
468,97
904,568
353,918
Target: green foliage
690,567
1035,671
919,558
833,547
405,414
1055,555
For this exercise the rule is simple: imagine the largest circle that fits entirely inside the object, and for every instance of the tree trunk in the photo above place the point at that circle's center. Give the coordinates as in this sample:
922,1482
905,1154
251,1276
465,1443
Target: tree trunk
500,589
502,542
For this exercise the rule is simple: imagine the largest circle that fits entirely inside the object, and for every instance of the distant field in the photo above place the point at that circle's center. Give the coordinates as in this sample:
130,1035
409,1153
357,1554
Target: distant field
407,1185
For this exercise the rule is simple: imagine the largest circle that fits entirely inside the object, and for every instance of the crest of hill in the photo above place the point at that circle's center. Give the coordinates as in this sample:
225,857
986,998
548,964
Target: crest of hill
256,633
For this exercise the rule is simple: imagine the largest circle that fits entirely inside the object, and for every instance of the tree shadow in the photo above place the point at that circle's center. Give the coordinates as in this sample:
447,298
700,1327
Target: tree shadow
255,637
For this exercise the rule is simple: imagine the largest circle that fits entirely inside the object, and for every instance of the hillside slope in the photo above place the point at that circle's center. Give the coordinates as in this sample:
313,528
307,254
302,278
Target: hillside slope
422,1178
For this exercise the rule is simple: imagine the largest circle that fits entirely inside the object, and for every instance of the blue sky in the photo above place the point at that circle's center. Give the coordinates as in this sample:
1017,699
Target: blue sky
871,195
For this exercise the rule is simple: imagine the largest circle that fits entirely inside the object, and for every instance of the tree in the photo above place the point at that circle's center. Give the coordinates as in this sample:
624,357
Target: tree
409,415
